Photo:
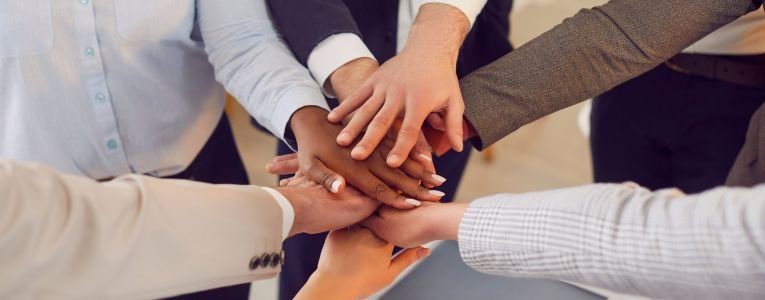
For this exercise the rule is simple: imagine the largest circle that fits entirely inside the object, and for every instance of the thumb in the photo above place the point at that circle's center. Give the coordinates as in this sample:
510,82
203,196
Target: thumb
283,165
405,259
320,174
454,126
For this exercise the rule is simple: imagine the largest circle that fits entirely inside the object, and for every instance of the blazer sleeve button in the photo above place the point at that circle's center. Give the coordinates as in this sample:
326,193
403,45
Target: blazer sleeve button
265,260
254,263
275,260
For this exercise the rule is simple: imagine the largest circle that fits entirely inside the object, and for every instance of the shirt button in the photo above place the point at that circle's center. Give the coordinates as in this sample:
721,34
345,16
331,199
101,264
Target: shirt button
89,51
84,1
111,144
100,98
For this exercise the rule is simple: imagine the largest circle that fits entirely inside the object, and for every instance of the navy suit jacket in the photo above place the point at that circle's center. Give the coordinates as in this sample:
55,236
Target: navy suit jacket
305,23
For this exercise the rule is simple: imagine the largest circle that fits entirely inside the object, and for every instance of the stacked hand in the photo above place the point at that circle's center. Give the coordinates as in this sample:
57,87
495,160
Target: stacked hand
331,165
355,263
430,222
312,204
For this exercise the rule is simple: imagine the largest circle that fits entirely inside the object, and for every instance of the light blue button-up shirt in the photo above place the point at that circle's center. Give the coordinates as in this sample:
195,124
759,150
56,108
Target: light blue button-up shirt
108,87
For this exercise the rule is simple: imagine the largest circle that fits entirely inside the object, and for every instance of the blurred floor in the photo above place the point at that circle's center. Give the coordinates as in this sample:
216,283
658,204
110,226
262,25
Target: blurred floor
550,153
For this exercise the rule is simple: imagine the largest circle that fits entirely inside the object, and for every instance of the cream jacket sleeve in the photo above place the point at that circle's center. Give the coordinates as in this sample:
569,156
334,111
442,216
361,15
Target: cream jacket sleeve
136,237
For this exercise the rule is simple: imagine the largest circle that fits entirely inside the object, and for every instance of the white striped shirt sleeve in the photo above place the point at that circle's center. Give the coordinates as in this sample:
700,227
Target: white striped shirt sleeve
658,244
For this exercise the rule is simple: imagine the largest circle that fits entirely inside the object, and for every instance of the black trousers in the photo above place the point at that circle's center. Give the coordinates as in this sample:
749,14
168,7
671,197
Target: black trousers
303,251
219,163
669,129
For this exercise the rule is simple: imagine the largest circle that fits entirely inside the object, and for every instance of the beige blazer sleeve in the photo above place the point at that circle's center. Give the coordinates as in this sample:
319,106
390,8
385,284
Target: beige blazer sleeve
64,237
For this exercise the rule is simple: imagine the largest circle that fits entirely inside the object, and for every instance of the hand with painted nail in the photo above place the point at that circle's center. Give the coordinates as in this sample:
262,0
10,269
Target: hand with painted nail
409,228
313,204
355,264
420,80
331,165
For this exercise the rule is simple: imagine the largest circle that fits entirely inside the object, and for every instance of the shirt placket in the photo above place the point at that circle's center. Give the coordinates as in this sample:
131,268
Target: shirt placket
94,76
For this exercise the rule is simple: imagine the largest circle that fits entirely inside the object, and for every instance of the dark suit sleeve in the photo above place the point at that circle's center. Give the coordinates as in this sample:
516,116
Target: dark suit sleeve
586,55
305,23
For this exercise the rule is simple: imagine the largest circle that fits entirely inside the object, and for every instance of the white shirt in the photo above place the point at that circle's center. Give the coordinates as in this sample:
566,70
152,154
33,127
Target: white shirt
339,49
105,88
663,244
745,36
137,237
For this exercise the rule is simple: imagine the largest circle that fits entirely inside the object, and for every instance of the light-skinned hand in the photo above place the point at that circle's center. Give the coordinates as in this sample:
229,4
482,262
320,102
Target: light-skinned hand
317,210
349,77
419,81
355,264
410,228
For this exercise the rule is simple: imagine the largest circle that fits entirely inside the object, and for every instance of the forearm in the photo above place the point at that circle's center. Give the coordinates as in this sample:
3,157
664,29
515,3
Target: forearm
254,64
584,56
659,244
77,232
438,30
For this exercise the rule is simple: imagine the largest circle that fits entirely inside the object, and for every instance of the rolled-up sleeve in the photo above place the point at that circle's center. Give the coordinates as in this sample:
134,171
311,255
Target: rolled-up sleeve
254,64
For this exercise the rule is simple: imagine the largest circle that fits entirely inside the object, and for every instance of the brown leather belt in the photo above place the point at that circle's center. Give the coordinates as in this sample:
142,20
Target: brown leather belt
742,70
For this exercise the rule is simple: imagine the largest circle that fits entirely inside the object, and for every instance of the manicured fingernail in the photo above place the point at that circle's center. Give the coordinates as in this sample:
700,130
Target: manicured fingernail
437,193
393,159
335,186
422,253
439,178
357,151
413,202
425,157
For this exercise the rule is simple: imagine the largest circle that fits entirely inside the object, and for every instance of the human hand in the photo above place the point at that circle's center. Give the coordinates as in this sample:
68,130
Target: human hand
430,222
435,134
420,80
349,77
355,264
331,165
317,210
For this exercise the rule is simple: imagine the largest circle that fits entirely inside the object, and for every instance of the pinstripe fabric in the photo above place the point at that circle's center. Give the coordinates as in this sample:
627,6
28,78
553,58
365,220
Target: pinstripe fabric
659,244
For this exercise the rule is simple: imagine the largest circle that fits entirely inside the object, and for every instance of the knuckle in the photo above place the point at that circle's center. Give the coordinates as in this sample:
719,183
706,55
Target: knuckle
366,109
409,131
380,189
379,124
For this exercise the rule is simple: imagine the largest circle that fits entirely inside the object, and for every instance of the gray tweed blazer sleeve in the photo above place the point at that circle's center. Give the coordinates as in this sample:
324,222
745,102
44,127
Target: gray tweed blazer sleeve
586,55
657,244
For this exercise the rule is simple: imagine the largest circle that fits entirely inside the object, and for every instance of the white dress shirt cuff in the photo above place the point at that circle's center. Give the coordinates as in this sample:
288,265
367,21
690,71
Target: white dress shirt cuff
471,8
289,103
332,53
288,213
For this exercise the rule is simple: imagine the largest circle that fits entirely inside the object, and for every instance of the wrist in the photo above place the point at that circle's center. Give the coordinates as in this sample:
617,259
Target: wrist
307,118
439,31
290,194
351,75
449,217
